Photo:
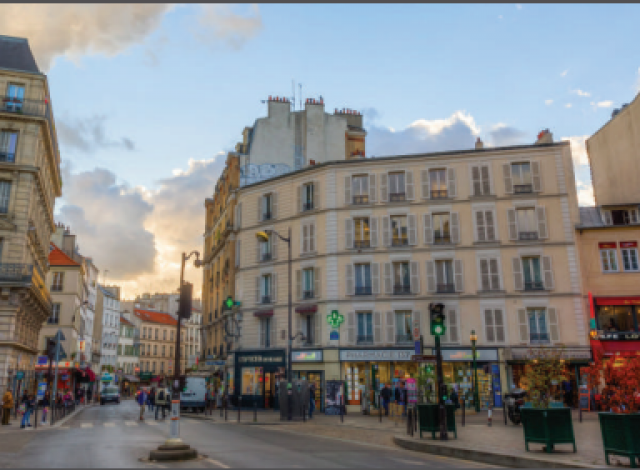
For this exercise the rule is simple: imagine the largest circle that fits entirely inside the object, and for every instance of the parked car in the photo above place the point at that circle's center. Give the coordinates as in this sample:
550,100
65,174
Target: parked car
194,395
110,394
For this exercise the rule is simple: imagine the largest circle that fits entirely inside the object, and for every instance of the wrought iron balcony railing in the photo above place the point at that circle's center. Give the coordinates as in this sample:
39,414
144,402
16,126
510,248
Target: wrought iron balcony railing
399,289
359,244
403,338
441,238
308,294
446,288
266,299
539,337
267,215
439,194
7,157
266,257
17,272
399,242
364,339
522,188
360,200
363,290
528,235
397,197
534,285
307,206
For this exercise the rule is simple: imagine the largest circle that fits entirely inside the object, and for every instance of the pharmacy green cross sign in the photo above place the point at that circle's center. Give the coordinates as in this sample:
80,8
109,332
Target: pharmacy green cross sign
335,319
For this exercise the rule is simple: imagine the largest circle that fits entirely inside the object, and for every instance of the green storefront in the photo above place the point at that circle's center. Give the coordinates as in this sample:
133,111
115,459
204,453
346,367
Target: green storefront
257,377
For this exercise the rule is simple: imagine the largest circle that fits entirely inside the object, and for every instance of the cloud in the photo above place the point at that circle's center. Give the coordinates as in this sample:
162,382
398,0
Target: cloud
221,22
581,93
602,104
518,6
500,17
568,105
585,194
370,115
564,74
502,135
578,149
88,135
548,102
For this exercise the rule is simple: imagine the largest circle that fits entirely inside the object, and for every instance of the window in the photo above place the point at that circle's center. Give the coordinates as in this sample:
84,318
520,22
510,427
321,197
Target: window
307,197
172,335
444,277
361,234
153,367
155,350
494,325
308,237
163,350
441,233
119,350
365,328
617,318
252,381
521,177
538,331
58,281
157,334
308,283
54,319
148,350
15,96
629,256
265,250
621,216
396,187
527,224
399,230
265,332
489,274
267,207
401,278
265,289
8,141
480,180
532,273
609,260
485,226
308,329
164,335
363,279
438,183
403,327
360,189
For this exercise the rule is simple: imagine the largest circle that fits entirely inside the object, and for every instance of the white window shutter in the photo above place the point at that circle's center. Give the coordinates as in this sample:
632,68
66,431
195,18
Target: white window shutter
350,283
414,269
347,191
547,268
317,332
607,217
486,179
524,326
476,183
489,331
299,198
388,281
274,205
490,226
312,237
274,332
260,209
541,215
554,333
348,233
425,184
299,284
518,282
458,276
317,282
495,273
413,229
431,276
508,182
513,224
274,288
377,328
536,176
351,328
257,289
428,232
386,230
316,195
453,326
238,253
451,182
373,231
372,187
408,183
498,319
375,278
480,231
274,246
455,227
633,216
384,189
485,277
390,328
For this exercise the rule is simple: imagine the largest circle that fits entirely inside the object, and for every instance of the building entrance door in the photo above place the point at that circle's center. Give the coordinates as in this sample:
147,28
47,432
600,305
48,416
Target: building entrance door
269,390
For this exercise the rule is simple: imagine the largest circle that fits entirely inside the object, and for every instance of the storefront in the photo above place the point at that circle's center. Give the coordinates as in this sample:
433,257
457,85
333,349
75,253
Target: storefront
617,326
145,379
259,374
66,373
129,385
308,365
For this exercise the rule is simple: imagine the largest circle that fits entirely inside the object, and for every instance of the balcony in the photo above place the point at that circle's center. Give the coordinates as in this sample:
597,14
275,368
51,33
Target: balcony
527,236
307,206
7,157
397,197
359,244
534,285
441,237
52,321
267,215
399,242
522,188
401,289
364,339
446,288
360,200
56,288
439,194
404,338
308,294
363,290
16,272
266,257
266,299
539,338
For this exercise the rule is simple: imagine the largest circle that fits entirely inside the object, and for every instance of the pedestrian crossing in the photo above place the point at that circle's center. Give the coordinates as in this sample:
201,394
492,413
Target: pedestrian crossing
111,424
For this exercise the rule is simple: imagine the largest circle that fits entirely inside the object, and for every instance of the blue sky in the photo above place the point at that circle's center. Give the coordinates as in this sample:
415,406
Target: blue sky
183,86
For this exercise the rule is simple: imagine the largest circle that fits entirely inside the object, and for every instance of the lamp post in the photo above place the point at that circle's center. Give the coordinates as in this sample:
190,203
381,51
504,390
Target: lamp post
476,398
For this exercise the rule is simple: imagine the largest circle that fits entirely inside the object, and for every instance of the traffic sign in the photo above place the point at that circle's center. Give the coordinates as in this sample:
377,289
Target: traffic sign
423,358
416,333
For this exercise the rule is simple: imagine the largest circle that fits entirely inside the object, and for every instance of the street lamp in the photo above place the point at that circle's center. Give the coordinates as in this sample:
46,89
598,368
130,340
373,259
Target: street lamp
476,398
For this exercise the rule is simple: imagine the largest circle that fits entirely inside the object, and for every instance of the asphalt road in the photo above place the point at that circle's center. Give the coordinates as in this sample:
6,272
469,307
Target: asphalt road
112,436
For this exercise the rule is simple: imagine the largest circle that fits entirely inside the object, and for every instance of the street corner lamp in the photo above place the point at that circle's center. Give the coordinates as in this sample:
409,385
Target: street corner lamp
476,399
263,236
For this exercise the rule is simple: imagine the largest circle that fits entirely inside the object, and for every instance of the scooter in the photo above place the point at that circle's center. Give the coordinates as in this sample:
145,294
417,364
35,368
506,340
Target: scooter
514,402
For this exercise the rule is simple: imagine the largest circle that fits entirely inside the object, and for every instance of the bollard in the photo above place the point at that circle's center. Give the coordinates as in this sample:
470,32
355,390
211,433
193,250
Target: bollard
463,412
342,409
239,405
255,411
489,414
504,411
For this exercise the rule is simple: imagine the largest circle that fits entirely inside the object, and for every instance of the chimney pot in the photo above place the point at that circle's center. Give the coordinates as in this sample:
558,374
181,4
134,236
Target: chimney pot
479,143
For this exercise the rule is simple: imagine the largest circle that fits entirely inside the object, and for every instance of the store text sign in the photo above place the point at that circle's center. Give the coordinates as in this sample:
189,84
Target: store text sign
467,355
607,245
260,358
307,356
377,355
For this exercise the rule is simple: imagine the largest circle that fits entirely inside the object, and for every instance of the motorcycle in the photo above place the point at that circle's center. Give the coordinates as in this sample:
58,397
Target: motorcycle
514,402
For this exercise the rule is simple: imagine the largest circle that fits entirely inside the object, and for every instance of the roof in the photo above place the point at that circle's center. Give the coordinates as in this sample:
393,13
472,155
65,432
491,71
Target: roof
124,321
590,217
15,54
57,257
155,317
106,292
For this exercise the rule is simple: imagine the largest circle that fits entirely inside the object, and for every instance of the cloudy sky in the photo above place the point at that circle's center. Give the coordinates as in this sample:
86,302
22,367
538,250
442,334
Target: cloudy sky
149,97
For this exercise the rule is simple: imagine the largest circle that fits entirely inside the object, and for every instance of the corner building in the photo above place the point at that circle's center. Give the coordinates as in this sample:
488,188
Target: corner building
489,232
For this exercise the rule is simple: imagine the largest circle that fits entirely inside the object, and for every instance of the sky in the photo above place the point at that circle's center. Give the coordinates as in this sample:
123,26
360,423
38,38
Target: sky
148,98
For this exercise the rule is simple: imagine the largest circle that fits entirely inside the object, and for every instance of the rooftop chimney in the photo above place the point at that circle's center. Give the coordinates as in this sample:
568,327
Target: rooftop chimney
479,143
545,137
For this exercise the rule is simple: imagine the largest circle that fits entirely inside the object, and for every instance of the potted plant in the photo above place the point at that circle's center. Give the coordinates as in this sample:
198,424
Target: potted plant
620,422
542,420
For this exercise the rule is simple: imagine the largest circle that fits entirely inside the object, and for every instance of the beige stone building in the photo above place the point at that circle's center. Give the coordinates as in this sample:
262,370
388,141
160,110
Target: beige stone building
489,232
29,183
157,343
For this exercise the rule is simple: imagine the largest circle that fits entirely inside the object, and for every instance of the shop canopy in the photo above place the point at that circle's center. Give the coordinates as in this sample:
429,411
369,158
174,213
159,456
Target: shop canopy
131,378
618,348
263,313
307,309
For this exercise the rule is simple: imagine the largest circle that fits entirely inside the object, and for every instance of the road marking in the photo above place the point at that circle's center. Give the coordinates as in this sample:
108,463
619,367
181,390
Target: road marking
130,423
219,464
86,425
409,462
109,425
152,423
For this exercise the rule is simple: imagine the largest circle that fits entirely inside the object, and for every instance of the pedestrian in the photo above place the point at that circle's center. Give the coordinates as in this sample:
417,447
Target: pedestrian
385,394
312,399
151,398
29,404
80,396
141,399
401,397
161,402
454,397
7,405
45,403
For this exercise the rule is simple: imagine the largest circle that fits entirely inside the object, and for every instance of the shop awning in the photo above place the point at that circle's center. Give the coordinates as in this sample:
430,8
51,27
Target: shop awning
617,300
307,309
620,348
263,313
131,378
156,379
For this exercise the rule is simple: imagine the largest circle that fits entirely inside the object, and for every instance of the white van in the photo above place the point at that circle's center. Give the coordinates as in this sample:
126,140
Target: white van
194,395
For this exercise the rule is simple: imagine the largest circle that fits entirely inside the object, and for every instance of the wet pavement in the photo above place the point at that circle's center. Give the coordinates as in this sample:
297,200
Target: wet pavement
112,436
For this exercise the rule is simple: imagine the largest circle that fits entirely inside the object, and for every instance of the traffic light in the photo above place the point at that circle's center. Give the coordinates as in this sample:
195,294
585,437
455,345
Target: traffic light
186,292
436,315
51,349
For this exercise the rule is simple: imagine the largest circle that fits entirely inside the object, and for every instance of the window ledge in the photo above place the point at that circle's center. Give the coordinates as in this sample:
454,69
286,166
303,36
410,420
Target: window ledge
364,296
487,242
308,254
523,195
535,291
490,292
445,293
438,199
528,242
401,247
483,197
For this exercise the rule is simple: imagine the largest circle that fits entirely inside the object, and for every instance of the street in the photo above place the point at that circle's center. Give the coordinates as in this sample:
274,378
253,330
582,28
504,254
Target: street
111,436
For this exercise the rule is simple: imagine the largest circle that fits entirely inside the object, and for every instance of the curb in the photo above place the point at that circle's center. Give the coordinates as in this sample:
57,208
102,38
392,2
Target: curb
484,456
233,421
68,417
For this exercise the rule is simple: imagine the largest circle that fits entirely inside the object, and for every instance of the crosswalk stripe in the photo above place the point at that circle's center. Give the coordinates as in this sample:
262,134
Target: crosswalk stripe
130,423
109,425
152,423
86,425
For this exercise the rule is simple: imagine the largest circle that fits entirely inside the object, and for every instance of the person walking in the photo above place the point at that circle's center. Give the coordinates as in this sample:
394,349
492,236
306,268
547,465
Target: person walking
7,406
152,399
161,402
401,397
455,398
385,394
45,403
312,399
141,400
29,404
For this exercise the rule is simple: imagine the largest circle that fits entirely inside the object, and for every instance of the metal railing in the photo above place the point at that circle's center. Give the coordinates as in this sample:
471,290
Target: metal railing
528,235
358,244
360,200
363,290
441,237
308,294
364,339
16,272
439,194
307,206
446,288
399,242
267,215
534,285
56,288
266,257
396,197
403,338
522,188
538,338
7,157
266,299
401,289
53,321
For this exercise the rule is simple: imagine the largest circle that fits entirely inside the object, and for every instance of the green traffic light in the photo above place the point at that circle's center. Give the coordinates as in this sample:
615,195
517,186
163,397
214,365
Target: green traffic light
229,302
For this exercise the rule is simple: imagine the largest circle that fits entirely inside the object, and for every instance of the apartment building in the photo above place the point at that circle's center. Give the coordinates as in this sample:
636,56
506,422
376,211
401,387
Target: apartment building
128,349
29,183
107,329
157,343
488,232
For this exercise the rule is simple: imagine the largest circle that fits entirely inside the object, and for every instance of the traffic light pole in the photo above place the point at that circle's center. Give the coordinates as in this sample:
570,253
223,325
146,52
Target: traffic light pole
174,426
441,392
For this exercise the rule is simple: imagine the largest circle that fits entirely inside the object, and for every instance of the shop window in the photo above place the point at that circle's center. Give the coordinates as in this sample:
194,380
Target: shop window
630,259
252,380
403,327
538,331
609,260
365,328
613,318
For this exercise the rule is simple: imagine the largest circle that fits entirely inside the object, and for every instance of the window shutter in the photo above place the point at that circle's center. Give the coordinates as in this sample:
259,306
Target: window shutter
316,195
260,209
238,216
455,227
258,247
498,319
541,214
513,224
431,276
388,286
317,282
488,326
384,191
508,184
260,334
484,275
375,278
486,180
350,280
238,253
299,198
490,227
458,276
347,191
312,237
274,205
391,328
274,288
524,325
425,184
386,230
451,182
548,272
273,239
351,328
377,328
274,332
495,273
607,217
476,183
373,231
633,216
428,233
298,284
480,234
348,233
414,269
317,331
536,177
372,187
257,289
518,283
413,229
453,326
408,183
554,334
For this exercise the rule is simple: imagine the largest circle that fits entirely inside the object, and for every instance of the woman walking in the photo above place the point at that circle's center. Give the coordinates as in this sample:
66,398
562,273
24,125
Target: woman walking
45,403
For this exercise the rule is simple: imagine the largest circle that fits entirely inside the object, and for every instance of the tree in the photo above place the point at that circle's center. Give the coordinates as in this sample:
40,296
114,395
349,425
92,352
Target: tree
426,377
621,377
543,374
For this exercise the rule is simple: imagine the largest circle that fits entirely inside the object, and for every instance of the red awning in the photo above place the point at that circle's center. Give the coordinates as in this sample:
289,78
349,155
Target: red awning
156,379
307,309
618,300
263,313
620,348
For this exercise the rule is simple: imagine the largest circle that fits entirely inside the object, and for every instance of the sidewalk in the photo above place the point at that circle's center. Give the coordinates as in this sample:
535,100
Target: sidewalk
14,427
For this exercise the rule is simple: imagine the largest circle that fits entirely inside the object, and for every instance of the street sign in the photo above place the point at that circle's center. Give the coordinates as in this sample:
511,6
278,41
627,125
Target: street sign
416,333
60,336
418,346
423,358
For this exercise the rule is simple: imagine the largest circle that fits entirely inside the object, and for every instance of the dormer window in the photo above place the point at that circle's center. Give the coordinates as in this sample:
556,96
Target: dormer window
620,216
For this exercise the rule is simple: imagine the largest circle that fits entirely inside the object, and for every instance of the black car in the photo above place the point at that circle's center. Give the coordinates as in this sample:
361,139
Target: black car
110,394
